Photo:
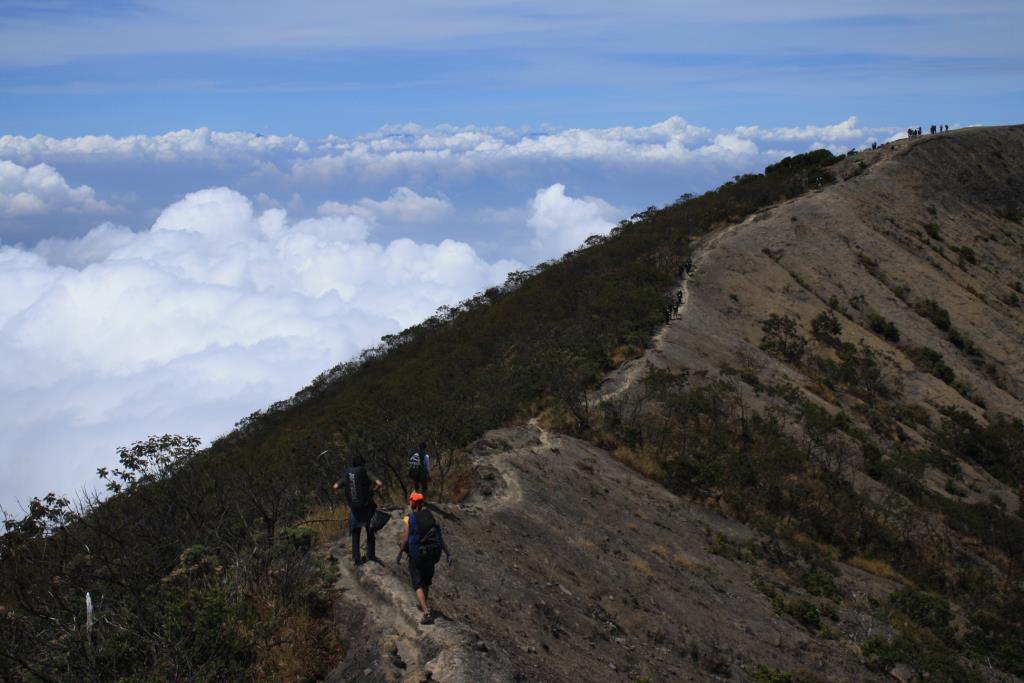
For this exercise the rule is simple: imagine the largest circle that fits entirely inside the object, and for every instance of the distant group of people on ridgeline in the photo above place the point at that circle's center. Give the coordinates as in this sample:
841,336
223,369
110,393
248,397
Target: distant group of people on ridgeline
685,269
422,539
915,132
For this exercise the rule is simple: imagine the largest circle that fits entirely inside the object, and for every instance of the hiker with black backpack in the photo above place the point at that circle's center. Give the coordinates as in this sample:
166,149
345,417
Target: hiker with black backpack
359,490
424,543
419,469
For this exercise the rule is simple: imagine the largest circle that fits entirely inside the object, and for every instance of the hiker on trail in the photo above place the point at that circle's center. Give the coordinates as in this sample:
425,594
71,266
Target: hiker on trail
423,541
359,490
689,266
419,469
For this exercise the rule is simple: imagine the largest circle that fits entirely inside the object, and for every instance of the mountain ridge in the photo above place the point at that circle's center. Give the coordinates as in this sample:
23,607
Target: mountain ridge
835,429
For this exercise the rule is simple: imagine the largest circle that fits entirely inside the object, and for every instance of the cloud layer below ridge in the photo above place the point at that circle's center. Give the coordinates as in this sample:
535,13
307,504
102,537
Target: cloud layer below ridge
132,302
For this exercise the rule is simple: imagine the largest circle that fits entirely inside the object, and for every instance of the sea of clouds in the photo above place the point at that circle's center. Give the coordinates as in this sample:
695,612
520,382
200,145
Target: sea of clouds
178,282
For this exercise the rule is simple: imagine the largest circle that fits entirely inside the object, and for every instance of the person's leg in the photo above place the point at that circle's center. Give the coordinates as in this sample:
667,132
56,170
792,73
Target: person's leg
371,545
355,545
421,598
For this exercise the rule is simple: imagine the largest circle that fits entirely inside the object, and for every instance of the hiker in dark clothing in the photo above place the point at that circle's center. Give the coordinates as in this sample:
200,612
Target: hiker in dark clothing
419,469
359,490
423,541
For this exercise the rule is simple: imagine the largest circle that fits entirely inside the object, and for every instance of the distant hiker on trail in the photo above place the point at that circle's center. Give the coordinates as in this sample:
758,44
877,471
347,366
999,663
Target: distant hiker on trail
419,469
689,266
424,543
359,490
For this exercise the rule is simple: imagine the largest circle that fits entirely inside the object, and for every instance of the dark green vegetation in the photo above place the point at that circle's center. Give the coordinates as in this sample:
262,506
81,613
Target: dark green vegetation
198,566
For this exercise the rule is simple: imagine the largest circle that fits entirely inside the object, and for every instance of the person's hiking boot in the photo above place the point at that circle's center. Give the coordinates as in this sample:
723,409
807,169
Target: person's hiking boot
428,618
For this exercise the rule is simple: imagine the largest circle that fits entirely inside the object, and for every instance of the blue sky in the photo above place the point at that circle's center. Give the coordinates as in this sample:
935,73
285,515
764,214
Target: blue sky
205,204
313,68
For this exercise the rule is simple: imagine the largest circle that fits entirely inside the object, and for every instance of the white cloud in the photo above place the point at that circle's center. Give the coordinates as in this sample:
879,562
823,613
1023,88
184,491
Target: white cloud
215,311
396,149
561,222
844,131
26,191
199,143
404,205
411,153
225,303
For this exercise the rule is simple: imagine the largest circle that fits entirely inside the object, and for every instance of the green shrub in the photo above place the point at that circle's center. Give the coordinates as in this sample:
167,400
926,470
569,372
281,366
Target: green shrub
921,651
819,581
925,609
997,446
826,328
932,311
963,342
883,327
781,338
931,361
766,674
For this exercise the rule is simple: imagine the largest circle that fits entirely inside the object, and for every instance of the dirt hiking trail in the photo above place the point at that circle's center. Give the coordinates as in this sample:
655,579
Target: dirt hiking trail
572,567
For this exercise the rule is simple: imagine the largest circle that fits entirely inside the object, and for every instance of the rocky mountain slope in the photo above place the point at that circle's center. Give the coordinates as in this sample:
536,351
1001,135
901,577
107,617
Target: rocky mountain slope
897,297
812,471
570,566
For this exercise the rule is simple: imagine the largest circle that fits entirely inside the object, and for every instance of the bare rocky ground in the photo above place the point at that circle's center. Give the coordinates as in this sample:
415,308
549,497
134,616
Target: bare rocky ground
865,243
572,567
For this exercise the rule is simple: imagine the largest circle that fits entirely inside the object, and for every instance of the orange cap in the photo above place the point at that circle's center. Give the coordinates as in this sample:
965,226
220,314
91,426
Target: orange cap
416,497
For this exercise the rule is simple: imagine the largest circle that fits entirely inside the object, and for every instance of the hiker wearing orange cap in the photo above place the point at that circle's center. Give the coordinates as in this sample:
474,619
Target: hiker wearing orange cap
424,542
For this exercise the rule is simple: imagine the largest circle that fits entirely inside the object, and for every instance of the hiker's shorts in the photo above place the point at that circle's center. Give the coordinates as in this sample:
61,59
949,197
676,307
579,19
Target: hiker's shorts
422,575
359,518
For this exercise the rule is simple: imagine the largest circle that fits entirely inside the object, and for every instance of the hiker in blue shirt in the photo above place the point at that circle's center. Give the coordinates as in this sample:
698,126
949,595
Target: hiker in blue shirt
424,542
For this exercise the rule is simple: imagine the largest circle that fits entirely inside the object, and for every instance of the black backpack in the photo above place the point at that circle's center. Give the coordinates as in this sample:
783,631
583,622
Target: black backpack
357,487
430,544
416,470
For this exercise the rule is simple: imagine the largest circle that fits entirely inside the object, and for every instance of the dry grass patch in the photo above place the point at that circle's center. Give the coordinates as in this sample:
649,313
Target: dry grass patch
644,464
326,521
689,564
625,353
641,566
878,568
303,649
